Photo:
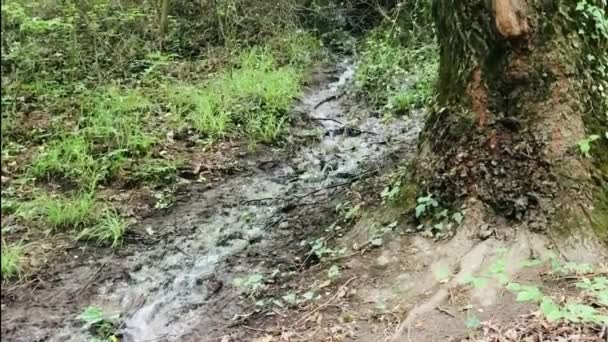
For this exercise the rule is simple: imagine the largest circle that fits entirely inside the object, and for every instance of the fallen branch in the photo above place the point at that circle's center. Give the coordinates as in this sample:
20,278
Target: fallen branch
445,311
327,99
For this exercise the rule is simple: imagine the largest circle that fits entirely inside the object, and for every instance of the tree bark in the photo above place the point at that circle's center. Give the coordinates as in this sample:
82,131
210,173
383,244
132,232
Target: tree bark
514,99
164,19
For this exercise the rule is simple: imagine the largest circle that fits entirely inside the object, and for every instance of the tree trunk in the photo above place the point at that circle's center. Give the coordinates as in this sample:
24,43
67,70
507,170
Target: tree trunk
164,19
515,95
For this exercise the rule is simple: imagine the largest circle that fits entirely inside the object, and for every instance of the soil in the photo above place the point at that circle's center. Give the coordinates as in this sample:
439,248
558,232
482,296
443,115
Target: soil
174,279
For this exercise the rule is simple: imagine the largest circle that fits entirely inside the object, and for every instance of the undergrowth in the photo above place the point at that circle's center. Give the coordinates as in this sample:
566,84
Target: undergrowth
94,93
11,260
397,64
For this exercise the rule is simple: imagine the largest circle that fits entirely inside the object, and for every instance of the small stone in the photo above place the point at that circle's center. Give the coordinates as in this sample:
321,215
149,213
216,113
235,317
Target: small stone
485,231
382,261
284,225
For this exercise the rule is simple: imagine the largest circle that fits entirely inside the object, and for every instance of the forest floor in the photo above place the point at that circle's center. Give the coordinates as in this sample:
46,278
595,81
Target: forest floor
301,243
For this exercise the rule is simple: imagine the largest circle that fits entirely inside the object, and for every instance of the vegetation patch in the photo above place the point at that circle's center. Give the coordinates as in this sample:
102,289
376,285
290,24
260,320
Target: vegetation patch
98,98
394,77
11,258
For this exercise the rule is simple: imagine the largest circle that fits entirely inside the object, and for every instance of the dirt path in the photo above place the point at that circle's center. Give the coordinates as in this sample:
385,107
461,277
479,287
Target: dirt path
175,283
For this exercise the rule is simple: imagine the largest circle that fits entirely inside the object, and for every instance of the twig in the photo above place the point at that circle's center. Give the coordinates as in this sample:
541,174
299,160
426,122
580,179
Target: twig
260,330
350,181
183,251
445,311
327,119
324,304
257,200
327,99
91,279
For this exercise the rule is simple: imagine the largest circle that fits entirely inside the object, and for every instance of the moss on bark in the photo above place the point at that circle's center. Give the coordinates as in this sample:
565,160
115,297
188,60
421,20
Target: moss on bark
509,111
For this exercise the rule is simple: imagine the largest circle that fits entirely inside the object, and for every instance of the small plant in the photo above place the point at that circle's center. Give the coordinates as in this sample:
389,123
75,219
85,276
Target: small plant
436,220
110,228
585,144
348,211
252,285
426,204
391,192
377,233
99,323
319,249
333,272
11,260
394,76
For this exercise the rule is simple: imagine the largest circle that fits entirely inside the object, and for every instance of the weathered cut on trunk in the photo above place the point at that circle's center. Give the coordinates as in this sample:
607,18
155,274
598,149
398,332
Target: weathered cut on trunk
513,102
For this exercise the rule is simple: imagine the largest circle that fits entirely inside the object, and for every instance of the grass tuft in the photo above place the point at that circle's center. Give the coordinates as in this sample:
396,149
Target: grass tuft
252,98
68,157
64,212
11,260
110,229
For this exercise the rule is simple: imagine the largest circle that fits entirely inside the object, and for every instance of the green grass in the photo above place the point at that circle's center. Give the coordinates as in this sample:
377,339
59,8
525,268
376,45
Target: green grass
110,228
11,260
394,76
67,212
250,99
68,157
116,118
109,133
155,171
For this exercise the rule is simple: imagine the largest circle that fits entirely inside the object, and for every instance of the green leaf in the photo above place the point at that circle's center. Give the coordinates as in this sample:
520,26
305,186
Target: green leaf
442,273
529,294
473,322
420,209
458,217
290,298
378,242
550,310
580,312
91,315
333,272
476,282
531,263
309,295
585,144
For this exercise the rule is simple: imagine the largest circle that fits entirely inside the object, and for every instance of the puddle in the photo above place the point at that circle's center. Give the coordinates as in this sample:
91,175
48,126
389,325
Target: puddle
179,288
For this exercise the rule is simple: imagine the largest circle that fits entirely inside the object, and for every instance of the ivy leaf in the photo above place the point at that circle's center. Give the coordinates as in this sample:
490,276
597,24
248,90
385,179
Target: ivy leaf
529,294
290,298
476,282
309,295
585,144
333,272
458,217
550,310
420,209
580,312
91,315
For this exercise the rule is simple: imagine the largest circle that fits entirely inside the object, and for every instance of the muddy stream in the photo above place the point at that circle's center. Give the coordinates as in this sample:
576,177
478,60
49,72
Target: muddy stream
179,288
